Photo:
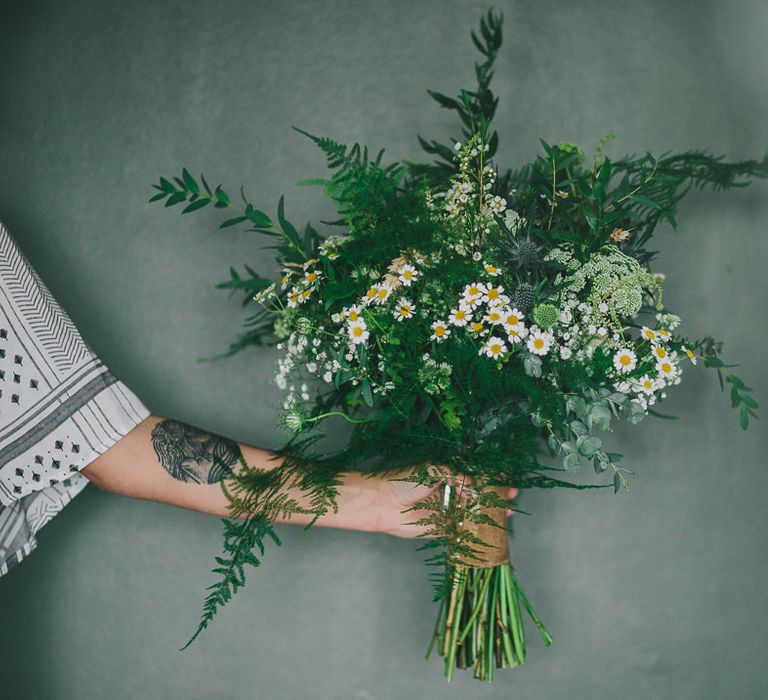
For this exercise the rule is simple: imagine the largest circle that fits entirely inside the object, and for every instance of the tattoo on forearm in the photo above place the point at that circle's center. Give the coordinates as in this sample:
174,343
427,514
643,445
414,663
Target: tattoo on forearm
190,454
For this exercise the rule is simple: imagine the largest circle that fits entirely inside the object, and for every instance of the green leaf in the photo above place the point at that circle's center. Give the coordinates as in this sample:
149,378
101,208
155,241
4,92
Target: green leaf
189,181
616,482
600,415
176,199
572,462
646,201
258,218
744,418
588,445
222,198
748,400
233,222
167,185
197,204
287,227
367,393
578,427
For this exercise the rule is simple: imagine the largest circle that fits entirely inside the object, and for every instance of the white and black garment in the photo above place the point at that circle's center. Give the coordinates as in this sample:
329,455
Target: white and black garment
60,407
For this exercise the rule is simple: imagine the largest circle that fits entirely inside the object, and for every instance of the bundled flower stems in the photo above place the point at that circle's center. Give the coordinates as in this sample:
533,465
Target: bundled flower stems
480,625
496,321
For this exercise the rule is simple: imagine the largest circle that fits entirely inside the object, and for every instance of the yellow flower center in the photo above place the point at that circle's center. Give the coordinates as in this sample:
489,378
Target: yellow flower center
666,367
477,327
490,269
661,353
538,343
311,277
650,334
407,274
306,293
371,292
493,293
405,310
474,291
625,360
496,349
357,331
460,315
353,316
439,331
512,320
493,316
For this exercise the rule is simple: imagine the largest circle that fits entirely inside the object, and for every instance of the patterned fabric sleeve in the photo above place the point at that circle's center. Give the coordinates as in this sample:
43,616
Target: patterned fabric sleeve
60,407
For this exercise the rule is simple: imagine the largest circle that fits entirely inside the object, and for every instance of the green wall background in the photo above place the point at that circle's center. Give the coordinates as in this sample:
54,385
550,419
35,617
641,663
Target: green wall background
658,593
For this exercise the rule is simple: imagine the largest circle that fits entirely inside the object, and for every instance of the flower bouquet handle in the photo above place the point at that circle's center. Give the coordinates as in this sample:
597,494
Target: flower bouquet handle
480,622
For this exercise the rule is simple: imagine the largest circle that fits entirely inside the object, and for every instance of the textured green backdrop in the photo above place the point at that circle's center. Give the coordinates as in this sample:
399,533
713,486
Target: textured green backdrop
659,593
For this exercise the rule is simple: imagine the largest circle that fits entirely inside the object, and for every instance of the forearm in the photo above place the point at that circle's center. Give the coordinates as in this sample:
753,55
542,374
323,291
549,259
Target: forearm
170,462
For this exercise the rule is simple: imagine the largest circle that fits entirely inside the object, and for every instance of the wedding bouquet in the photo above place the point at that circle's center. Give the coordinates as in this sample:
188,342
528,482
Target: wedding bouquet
478,327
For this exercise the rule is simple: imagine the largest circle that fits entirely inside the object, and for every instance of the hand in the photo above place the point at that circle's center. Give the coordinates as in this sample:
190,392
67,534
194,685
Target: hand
398,496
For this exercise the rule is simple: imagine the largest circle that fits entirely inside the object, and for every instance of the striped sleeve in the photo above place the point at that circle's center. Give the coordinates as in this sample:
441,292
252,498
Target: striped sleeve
60,406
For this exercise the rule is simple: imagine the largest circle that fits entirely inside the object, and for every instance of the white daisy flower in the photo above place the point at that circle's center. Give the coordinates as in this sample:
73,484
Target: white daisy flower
493,347
477,328
539,341
491,270
690,353
312,276
498,204
440,331
459,317
659,352
408,273
358,332
494,316
404,309
513,317
625,360
469,304
474,290
516,333
494,296
649,334
353,313
648,385
371,294
294,298
664,333
666,369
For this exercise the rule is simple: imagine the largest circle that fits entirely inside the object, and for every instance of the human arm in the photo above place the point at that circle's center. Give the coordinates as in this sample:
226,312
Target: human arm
170,462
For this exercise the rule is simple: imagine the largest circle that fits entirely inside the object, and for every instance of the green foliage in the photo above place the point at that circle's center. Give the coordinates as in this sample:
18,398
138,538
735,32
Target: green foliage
558,236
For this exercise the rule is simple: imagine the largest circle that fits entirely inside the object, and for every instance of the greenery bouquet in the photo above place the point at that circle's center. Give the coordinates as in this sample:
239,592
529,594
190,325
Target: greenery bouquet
488,321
